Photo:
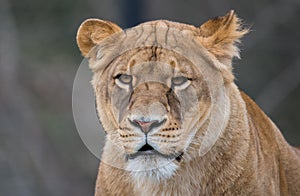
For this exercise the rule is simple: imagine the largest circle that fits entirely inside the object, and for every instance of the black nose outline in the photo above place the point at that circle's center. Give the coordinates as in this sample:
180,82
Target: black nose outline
147,129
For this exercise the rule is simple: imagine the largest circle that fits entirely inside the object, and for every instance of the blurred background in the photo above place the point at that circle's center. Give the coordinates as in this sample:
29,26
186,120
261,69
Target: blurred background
41,152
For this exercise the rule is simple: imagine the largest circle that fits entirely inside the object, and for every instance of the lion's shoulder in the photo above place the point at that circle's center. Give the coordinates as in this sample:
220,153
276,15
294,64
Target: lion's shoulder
271,149
259,122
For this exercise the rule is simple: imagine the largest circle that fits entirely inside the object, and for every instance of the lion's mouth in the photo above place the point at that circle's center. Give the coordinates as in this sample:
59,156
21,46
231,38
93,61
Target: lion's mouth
148,150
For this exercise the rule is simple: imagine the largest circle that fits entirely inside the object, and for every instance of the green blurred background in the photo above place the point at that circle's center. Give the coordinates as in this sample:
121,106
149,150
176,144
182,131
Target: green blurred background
40,150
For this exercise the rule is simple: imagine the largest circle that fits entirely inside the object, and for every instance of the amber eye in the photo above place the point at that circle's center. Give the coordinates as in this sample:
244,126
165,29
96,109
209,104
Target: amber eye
124,78
177,81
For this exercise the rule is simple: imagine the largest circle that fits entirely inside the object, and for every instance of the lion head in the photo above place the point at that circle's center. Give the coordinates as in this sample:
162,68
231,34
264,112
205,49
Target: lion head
156,87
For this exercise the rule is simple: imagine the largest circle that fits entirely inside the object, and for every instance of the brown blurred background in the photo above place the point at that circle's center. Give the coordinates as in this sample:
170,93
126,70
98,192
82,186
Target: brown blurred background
40,150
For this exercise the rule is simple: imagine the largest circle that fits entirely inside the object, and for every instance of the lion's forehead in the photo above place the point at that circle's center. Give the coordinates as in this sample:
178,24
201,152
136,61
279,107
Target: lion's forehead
155,61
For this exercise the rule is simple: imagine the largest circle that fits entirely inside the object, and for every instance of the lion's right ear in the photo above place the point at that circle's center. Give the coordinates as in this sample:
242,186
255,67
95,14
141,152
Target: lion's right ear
92,31
221,35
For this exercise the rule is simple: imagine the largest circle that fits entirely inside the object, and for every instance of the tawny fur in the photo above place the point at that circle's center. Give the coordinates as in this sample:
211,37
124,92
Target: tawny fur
251,157
255,161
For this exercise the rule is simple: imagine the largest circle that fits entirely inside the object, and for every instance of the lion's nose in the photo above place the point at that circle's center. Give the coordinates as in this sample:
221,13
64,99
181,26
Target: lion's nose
146,126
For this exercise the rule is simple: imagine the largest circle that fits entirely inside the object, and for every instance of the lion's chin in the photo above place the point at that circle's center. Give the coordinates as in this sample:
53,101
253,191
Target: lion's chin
153,168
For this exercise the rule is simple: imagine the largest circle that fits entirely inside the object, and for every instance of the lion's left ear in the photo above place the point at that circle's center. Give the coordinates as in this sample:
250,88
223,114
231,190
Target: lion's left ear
92,31
220,36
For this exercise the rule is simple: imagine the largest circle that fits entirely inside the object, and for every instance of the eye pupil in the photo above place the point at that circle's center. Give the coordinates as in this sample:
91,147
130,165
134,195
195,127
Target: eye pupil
179,80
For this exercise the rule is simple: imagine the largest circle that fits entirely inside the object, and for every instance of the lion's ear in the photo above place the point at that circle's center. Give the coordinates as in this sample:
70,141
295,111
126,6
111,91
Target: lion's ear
92,31
220,36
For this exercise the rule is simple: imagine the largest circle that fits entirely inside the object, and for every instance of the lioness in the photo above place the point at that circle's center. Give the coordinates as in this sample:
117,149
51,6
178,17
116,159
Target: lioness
176,123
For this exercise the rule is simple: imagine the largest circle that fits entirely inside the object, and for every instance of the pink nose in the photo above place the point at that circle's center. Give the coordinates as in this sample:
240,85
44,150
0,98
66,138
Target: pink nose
146,126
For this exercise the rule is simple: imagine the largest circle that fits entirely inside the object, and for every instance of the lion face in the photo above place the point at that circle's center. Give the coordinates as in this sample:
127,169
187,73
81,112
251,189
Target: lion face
154,97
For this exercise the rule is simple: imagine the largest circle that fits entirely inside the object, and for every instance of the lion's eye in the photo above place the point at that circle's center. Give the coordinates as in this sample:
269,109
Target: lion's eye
177,81
124,78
